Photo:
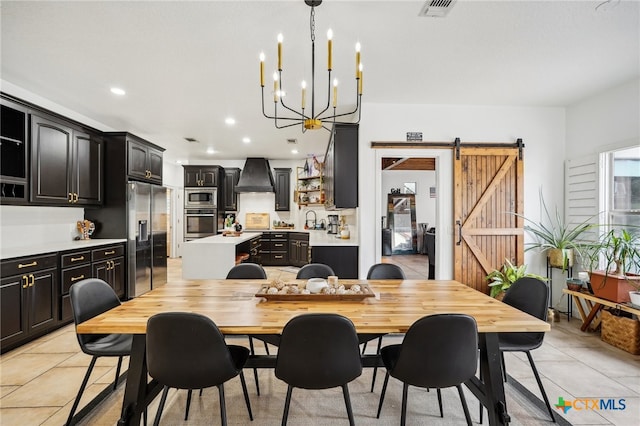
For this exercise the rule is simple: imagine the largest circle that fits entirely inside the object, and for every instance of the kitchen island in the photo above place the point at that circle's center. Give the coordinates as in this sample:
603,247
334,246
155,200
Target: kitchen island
213,257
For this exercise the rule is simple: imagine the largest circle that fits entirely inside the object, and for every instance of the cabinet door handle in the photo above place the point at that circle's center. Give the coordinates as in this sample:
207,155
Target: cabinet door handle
113,264
26,281
74,279
75,197
76,259
70,198
107,253
26,265
33,280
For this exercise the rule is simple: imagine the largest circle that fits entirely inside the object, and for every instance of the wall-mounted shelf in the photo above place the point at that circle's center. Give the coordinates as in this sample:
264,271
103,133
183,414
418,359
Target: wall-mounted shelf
309,189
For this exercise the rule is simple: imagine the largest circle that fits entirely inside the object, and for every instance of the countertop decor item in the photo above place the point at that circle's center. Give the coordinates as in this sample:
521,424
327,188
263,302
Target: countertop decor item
314,119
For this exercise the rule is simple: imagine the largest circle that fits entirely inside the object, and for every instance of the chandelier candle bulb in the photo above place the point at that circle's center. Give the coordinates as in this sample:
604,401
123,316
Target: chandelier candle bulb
275,87
360,81
262,69
357,59
335,92
304,93
280,38
329,48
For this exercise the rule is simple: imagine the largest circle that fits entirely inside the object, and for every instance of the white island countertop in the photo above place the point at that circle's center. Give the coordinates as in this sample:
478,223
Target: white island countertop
213,257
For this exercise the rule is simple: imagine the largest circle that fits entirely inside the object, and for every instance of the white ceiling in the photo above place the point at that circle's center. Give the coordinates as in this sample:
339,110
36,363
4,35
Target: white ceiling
188,65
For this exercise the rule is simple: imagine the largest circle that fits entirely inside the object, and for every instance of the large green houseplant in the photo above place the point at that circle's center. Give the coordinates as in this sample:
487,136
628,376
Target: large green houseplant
617,253
500,280
559,239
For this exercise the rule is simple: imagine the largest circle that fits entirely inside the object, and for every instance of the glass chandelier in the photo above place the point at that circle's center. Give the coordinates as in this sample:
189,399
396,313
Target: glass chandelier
310,120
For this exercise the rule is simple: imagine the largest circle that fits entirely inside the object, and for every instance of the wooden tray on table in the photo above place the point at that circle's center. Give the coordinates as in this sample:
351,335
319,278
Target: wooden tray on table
366,292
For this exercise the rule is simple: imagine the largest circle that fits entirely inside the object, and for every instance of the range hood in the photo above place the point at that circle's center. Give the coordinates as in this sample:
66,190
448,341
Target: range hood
255,176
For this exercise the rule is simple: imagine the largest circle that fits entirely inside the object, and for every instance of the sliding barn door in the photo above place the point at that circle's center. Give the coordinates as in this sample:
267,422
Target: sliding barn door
488,188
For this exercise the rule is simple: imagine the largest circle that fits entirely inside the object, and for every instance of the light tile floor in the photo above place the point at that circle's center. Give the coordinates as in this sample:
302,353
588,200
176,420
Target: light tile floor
39,380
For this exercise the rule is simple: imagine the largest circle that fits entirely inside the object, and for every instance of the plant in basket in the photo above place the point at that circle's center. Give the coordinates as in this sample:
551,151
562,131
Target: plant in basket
501,280
613,261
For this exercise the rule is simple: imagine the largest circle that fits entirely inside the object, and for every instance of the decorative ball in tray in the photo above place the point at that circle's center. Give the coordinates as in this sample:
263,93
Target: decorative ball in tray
314,289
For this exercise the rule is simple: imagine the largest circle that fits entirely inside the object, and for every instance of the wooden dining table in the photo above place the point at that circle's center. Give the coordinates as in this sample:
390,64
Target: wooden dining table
235,309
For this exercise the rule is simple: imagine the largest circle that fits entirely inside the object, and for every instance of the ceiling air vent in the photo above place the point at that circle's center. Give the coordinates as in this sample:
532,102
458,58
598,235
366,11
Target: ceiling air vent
437,8
292,141
191,140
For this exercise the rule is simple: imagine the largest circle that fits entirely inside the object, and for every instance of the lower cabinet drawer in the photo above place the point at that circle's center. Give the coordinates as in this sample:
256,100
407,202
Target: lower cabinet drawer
107,253
73,275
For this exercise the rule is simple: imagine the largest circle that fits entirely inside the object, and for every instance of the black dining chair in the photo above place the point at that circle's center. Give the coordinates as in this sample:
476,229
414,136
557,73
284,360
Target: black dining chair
380,271
314,270
438,351
250,271
430,245
186,350
318,351
529,295
89,298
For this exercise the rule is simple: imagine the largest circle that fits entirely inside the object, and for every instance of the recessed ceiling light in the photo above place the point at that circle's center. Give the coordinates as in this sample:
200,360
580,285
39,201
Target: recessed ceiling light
230,121
210,151
178,161
118,91
246,140
294,151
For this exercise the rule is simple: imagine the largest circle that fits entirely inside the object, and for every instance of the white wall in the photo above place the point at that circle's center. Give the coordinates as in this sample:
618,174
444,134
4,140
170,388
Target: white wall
542,130
605,121
425,206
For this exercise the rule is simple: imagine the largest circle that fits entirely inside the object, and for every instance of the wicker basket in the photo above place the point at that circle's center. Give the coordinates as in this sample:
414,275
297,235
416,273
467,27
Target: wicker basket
621,332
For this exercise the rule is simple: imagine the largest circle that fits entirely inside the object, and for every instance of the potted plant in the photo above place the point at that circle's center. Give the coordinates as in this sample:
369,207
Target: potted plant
559,239
618,253
501,280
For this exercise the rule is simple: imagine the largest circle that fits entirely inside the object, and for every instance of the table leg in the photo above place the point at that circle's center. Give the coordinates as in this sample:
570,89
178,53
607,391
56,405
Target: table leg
137,392
490,391
583,315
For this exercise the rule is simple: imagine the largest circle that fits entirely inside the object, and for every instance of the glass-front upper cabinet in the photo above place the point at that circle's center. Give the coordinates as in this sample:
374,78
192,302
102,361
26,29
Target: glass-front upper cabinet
14,148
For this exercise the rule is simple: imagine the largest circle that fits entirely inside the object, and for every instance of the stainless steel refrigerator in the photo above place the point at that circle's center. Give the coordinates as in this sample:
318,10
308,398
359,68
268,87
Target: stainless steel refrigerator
147,237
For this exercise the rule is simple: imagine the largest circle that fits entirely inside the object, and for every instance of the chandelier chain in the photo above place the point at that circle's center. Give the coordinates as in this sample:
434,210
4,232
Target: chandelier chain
313,24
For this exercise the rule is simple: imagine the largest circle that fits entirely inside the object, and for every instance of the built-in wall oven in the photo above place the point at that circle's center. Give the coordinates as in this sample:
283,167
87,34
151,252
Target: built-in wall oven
199,223
196,198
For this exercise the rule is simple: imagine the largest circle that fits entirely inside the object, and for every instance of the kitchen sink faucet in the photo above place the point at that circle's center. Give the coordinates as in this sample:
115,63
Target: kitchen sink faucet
306,219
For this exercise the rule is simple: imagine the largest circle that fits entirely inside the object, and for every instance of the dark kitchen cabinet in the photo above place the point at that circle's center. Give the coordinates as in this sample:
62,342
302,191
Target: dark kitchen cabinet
74,266
66,163
254,250
341,168
282,179
195,176
299,248
274,250
109,266
28,295
144,160
342,259
14,153
231,177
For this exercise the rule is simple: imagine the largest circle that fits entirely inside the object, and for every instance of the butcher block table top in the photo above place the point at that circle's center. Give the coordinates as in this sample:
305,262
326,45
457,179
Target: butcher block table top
231,304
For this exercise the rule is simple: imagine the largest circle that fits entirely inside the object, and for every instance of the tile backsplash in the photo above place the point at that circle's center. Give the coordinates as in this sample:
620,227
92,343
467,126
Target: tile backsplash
29,225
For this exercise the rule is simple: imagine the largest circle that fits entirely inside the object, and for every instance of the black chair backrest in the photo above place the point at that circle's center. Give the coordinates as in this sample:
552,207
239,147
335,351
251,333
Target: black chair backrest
430,245
89,298
318,351
439,351
385,271
315,270
529,295
186,350
250,271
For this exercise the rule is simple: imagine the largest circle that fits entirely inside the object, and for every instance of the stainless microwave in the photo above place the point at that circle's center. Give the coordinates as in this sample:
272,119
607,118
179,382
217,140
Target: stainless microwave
200,197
